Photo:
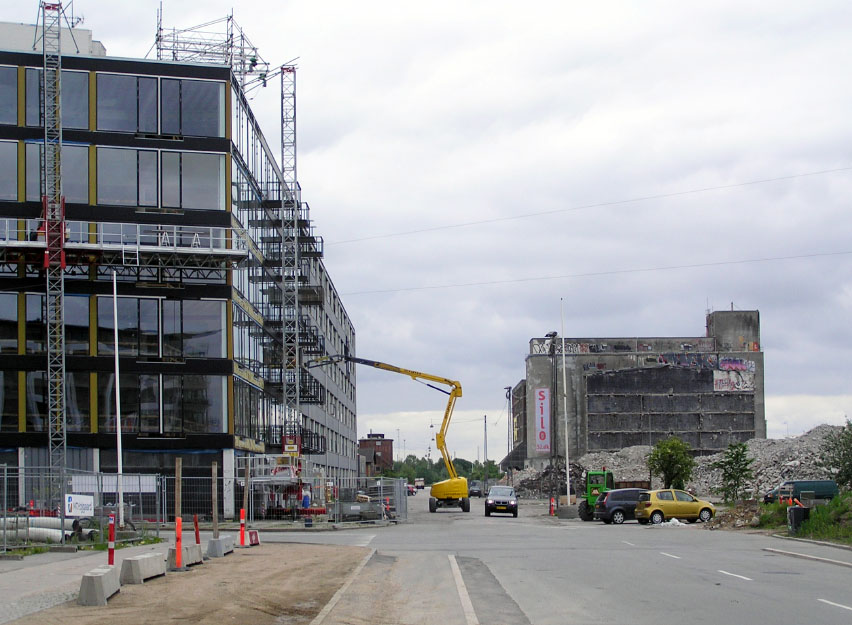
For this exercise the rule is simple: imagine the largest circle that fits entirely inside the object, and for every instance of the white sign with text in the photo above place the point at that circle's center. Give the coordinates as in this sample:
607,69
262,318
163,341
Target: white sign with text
79,505
542,420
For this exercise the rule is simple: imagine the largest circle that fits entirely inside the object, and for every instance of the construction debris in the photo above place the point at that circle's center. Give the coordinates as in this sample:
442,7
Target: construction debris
775,460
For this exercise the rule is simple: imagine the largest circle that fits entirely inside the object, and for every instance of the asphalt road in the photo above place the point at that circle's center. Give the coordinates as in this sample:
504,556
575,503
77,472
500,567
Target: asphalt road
461,568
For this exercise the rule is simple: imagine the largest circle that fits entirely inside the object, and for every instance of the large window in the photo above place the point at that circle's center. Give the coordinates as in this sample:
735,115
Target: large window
194,329
8,401
194,403
190,404
74,99
127,103
37,408
8,170
8,95
8,323
193,107
36,330
193,180
77,401
75,172
127,177
138,326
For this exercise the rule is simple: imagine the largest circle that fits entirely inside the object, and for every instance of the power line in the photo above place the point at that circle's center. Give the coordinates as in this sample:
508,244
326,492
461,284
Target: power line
611,272
659,196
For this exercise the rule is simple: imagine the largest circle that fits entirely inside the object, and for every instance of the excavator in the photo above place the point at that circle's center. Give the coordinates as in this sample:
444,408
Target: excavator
450,493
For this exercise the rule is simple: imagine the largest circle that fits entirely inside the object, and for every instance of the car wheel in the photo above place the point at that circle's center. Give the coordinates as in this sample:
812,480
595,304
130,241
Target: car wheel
657,517
433,504
618,517
515,513
487,512
705,515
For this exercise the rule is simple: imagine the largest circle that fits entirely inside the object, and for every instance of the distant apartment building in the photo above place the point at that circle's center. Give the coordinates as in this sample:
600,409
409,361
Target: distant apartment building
378,453
169,183
620,392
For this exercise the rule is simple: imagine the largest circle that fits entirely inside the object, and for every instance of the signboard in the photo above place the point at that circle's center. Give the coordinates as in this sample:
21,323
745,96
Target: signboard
79,505
542,420
291,445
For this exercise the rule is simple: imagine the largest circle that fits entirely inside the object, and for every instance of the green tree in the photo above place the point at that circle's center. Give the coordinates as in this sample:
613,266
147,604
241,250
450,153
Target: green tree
672,461
837,455
736,470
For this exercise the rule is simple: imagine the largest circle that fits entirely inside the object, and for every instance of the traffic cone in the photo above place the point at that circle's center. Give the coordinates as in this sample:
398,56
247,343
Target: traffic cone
552,506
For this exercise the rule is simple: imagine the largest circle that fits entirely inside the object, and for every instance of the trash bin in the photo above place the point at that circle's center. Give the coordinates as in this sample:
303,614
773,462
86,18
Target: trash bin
796,515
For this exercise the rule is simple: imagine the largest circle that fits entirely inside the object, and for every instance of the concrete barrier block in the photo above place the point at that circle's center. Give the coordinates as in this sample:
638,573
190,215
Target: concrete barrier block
192,554
98,585
220,547
137,569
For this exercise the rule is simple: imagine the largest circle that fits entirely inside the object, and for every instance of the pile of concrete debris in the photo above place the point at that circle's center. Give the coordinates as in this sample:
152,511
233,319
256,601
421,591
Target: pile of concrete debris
775,460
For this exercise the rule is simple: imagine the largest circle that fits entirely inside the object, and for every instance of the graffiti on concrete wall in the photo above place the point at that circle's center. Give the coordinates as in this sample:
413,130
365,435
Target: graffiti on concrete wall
698,361
594,366
736,364
733,381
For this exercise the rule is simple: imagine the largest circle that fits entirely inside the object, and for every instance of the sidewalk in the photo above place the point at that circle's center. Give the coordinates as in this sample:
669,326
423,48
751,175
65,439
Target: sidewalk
47,579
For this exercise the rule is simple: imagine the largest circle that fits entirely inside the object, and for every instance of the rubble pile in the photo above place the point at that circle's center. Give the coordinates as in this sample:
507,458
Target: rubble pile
775,460
743,515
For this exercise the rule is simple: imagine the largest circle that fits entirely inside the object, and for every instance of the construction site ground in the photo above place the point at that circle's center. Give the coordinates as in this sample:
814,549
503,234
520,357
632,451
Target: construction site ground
274,583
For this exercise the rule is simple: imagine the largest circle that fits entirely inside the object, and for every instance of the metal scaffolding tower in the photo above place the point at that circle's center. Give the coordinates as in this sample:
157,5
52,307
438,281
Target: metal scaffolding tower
211,43
290,209
54,256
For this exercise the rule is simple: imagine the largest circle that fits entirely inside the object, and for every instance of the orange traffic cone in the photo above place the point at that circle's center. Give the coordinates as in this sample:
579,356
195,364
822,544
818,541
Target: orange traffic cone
552,506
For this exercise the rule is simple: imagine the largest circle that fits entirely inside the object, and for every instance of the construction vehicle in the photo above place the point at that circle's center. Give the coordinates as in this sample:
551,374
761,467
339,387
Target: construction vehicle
449,493
597,483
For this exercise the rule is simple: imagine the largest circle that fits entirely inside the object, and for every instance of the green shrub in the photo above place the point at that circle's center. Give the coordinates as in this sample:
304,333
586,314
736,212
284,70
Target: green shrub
832,521
773,515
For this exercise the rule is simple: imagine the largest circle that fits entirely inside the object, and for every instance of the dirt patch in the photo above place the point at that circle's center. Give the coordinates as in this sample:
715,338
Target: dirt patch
274,584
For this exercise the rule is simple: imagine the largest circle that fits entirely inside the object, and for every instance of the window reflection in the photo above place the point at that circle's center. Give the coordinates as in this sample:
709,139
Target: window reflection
8,401
8,323
8,95
74,98
8,170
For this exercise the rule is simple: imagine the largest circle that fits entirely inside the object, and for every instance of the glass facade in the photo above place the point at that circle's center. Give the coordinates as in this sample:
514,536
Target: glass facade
127,103
8,170
144,163
193,107
74,98
8,95
75,172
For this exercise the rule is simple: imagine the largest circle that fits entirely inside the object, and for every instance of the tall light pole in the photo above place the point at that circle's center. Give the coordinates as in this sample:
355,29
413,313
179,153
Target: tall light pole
509,438
565,407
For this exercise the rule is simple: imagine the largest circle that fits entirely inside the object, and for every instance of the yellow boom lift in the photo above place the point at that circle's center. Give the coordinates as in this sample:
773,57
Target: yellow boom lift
451,493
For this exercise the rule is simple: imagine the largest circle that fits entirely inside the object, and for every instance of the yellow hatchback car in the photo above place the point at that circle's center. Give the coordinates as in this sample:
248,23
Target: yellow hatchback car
655,506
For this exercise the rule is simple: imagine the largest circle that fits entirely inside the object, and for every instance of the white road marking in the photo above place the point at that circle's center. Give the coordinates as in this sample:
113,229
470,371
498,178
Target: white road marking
748,579
670,555
627,543
467,606
836,605
333,602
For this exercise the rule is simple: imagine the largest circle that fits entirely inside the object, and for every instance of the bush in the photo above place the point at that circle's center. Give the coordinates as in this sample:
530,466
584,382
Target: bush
773,515
832,521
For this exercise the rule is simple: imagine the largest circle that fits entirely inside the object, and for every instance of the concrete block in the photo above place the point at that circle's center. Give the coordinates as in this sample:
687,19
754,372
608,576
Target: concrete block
98,585
220,547
137,569
192,554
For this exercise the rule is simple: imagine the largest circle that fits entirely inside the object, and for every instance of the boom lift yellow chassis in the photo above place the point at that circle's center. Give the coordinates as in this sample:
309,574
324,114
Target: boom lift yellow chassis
451,493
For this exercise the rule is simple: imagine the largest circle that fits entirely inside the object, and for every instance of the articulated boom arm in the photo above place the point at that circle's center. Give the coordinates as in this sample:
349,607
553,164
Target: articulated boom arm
454,393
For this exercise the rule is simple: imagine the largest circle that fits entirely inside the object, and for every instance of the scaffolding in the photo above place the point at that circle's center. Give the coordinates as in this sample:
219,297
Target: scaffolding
288,248
221,42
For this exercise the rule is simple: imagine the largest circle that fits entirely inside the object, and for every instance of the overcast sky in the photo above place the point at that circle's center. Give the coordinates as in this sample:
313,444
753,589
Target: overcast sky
471,164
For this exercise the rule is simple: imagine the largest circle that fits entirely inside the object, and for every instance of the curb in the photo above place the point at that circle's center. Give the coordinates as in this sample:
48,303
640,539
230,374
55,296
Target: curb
805,556
814,542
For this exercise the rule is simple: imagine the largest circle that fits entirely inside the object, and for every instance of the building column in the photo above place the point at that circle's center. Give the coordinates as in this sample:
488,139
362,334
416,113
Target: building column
228,483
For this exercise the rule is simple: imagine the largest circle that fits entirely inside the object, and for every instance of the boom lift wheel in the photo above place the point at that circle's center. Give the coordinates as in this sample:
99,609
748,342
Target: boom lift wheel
433,504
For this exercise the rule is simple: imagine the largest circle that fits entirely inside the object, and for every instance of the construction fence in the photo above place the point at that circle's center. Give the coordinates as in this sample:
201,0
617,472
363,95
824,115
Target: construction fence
150,502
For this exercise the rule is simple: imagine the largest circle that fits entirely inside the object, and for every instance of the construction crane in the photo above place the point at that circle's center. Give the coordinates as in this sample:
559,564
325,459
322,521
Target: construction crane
449,493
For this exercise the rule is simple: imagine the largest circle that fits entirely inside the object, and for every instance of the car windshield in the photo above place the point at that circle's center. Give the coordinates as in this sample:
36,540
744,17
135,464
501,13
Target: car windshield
501,491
